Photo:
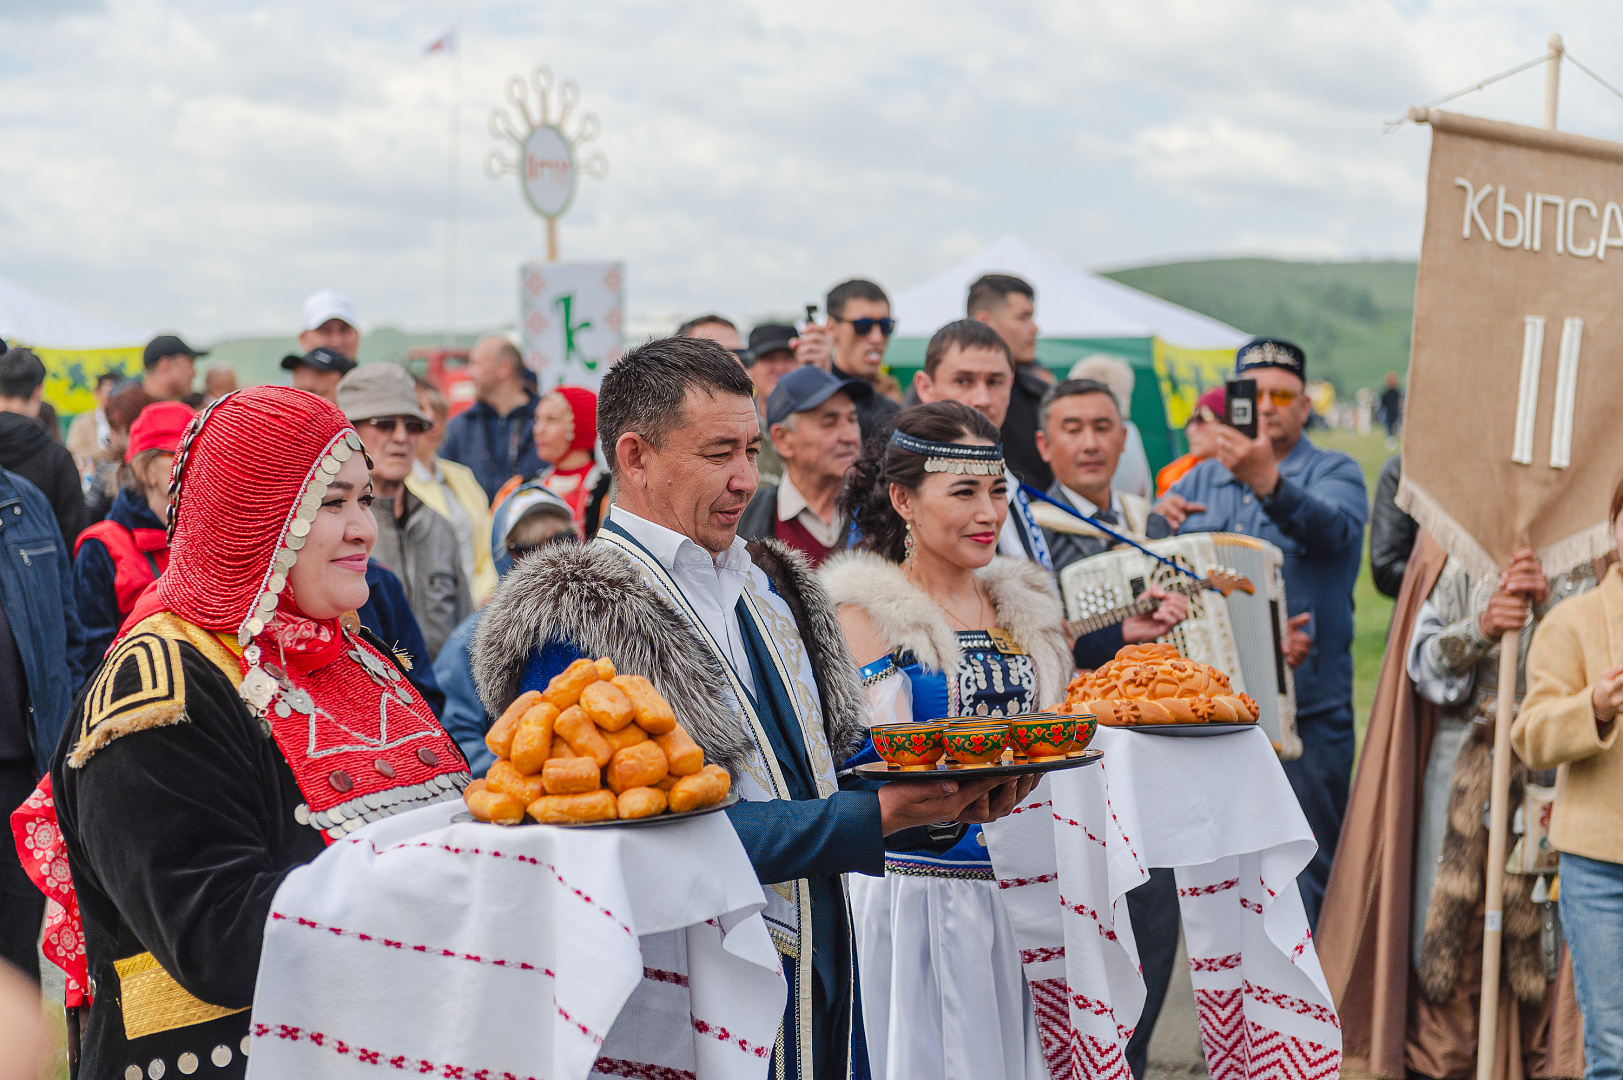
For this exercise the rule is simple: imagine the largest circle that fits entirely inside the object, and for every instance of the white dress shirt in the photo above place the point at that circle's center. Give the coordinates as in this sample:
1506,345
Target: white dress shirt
712,585
1089,509
792,505
1008,538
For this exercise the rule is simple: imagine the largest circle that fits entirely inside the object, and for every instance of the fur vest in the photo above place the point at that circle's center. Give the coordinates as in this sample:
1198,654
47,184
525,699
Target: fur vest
1457,894
1023,594
597,601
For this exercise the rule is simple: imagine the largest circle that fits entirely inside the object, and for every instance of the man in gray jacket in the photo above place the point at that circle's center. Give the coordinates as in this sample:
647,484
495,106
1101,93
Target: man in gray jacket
414,542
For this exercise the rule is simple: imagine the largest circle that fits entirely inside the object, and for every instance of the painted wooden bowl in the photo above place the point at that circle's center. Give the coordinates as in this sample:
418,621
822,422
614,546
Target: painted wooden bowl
1042,736
1087,725
976,742
909,746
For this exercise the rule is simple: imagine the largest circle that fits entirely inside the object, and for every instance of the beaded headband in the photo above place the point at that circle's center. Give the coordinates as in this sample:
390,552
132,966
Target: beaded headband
952,457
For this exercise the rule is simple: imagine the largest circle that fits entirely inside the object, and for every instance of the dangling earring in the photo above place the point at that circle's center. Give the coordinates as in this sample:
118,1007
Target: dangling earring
908,547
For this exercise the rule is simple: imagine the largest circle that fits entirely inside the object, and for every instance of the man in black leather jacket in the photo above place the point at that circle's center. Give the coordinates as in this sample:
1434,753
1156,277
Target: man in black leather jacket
1391,531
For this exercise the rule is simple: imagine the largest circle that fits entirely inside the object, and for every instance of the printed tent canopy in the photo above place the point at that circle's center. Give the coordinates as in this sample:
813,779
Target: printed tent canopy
1081,313
75,347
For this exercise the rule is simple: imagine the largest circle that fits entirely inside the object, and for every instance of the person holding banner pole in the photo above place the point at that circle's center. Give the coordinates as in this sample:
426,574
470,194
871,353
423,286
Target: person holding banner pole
1569,722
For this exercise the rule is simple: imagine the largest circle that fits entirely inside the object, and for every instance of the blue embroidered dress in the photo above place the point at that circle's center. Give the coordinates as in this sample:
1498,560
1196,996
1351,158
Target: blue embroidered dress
986,682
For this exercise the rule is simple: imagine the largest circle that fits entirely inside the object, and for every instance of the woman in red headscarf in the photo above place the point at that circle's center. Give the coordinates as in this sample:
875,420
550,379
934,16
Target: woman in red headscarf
242,721
566,435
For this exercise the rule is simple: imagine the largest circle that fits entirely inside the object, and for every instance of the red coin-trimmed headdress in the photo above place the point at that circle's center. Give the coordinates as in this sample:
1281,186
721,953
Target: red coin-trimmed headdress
249,478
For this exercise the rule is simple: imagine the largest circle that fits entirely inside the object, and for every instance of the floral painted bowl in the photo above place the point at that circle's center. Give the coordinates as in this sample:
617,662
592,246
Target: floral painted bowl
1042,736
1087,725
909,746
977,742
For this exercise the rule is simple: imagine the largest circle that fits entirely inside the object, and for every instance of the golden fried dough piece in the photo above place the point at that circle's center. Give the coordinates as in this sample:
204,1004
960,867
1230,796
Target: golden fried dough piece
504,778
582,735
641,802
597,805
500,736
681,751
565,687
571,776
605,668
640,765
532,744
654,714
496,806
704,788
669,782
630,735
607,705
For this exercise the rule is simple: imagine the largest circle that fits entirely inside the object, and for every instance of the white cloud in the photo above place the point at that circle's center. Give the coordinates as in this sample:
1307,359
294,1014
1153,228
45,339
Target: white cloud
202,166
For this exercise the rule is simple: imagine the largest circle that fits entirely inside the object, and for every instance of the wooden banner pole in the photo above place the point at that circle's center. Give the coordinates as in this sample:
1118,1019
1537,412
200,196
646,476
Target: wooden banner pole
1498,828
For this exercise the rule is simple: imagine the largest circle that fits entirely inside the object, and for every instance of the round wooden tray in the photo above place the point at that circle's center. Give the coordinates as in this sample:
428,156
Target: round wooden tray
622,823
878,770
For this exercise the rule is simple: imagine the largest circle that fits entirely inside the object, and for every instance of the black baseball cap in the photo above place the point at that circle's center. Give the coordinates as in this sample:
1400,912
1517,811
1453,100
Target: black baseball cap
322,359
806,388
770,338
1271,352
167,345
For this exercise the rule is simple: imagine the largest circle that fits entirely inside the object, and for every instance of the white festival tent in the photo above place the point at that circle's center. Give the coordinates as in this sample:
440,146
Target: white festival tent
1071,303
29,319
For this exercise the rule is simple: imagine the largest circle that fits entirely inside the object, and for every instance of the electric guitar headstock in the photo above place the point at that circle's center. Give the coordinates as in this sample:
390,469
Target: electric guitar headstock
1227,581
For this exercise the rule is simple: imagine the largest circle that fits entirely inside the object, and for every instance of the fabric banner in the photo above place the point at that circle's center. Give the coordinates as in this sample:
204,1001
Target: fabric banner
1185,374
570,317
70,374
1509,433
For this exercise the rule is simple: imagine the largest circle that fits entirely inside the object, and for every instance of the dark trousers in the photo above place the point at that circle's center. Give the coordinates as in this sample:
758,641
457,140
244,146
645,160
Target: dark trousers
22,906
1153,910
1320,778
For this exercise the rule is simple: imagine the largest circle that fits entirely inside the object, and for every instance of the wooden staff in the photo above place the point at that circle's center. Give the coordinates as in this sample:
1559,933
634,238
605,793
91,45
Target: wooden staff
1499,799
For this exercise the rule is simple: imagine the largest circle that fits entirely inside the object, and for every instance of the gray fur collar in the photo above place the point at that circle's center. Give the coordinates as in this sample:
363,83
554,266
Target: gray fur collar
595,599
1028,606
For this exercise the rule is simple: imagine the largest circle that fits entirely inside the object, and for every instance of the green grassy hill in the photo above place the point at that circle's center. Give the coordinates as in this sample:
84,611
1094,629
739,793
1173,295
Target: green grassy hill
1353,318
258,359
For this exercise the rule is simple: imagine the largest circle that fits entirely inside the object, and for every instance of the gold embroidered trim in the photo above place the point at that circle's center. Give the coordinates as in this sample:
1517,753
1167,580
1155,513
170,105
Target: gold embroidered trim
152,1001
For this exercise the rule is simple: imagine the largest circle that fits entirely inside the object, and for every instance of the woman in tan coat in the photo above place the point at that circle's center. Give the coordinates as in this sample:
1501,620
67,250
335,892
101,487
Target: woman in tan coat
1569,720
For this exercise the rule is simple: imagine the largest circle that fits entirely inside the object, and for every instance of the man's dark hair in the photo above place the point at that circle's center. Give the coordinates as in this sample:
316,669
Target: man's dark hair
644,390
991,290
691,325
21,373
111,376
965,334
1073,388
855,289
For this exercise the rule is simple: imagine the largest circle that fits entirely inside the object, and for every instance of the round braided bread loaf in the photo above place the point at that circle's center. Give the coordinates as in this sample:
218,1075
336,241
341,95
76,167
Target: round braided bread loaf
1154,684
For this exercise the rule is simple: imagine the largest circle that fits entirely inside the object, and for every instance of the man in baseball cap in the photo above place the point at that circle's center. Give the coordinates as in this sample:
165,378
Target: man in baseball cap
168,368
812,419
327,322
318,371
416,543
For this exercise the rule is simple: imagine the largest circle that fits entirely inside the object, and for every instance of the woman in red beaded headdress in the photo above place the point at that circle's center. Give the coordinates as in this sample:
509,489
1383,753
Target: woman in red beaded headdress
242,721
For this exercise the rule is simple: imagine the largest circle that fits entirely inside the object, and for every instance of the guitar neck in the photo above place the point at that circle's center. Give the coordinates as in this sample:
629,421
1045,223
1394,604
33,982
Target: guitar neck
1142,606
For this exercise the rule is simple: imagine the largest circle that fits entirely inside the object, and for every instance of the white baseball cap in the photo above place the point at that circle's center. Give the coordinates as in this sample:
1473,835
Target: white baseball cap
324,305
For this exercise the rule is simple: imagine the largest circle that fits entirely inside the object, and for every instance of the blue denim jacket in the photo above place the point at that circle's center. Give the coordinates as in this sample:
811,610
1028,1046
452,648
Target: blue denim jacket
497,448
36,587
1317,519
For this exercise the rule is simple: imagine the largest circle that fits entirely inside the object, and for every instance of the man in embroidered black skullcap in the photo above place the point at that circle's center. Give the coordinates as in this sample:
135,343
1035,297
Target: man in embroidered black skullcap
1312,505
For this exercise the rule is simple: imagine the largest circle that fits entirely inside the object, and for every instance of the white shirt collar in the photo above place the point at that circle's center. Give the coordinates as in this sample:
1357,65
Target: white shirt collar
1088,508
673,550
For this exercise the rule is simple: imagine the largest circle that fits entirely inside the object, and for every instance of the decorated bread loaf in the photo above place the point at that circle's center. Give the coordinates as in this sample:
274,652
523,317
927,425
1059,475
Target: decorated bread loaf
592,746
1154,684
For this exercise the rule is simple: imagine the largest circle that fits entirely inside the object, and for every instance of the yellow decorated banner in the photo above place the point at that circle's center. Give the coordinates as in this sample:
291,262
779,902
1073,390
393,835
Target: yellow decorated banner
70,374
1185,374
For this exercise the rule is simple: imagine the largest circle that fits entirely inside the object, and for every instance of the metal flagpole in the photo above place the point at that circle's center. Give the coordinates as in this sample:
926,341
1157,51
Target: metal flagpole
1499,797
454,156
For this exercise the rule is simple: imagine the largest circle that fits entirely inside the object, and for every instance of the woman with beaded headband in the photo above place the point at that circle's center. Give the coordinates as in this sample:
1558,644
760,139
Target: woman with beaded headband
943,626
242,721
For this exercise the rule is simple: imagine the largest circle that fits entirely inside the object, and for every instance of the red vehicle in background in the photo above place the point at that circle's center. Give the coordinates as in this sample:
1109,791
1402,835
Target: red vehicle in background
447,371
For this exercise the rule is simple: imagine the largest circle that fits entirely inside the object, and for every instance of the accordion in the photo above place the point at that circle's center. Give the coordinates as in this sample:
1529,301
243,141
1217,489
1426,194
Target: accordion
1240,634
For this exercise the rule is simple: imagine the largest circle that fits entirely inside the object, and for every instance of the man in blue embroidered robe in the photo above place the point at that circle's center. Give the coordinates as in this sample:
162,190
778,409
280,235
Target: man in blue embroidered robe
743,642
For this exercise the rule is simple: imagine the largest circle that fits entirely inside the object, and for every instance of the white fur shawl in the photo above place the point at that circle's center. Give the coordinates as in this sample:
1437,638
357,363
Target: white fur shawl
1023,593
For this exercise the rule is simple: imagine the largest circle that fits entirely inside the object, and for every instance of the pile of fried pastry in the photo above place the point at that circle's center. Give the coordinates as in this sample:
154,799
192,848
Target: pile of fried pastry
593,746
1154,684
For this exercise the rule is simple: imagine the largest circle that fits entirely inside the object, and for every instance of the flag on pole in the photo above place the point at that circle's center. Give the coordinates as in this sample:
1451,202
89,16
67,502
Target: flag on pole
445,43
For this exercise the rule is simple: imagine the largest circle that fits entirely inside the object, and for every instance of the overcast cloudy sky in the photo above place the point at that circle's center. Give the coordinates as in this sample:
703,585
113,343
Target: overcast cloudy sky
203,164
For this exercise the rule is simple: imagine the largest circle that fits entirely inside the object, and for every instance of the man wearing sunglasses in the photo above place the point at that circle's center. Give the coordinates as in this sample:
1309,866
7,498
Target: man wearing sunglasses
1312,505
859,327
416,543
